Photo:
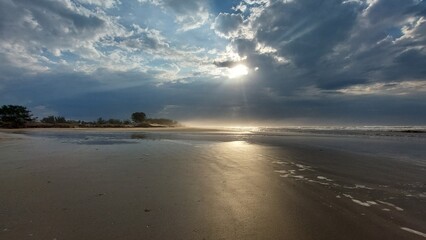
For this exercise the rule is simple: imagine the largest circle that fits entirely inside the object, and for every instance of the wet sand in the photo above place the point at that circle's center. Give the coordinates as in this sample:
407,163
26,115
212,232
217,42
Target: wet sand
203,186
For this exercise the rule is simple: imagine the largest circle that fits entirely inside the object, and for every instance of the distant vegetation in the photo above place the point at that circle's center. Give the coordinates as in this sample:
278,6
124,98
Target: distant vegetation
15,116
138,117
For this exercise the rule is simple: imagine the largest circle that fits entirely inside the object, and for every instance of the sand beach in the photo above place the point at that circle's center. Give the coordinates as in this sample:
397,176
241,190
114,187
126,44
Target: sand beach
209,184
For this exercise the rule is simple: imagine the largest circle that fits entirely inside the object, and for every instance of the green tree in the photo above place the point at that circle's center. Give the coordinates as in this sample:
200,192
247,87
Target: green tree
48,119
138,117
114,121
53,119
100,121
60,119
14,116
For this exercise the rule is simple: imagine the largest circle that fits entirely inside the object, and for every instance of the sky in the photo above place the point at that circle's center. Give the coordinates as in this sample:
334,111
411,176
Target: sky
289,62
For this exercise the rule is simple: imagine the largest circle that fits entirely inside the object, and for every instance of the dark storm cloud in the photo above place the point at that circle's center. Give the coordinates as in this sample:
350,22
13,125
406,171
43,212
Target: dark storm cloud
79,95
393,11
332,49
305,30
408,65
337,44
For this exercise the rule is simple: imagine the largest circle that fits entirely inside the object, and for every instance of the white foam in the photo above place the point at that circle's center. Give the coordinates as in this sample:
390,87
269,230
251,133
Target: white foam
391,205
365,204
386,209
414,231
324,178
284,175
322,183
299,176
279,162
358,186
302,167
362,186
280,171
338,196
348,196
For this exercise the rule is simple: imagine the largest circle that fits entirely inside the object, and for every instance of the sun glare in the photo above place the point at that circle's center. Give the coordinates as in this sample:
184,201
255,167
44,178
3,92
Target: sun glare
238,71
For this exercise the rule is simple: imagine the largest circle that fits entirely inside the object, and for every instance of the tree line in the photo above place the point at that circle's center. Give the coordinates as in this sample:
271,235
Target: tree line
15,116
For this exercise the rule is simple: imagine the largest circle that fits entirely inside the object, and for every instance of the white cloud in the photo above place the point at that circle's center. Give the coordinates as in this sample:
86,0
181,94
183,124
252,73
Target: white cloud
228,25
241,7
262,49
391,88
415,28
189,14
194,20
154,2
102,3
17,56
56,27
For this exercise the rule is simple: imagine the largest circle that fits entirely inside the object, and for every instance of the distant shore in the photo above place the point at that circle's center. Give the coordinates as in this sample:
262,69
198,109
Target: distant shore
124,129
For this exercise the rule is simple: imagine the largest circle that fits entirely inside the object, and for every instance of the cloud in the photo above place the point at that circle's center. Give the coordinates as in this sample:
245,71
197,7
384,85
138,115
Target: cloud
324,50
102,3
226,64
51,28
190,14
330,44
391,88
228,25
144,38
305,38
67,37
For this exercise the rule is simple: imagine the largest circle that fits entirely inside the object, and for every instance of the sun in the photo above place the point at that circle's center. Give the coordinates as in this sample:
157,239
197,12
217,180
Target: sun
238,71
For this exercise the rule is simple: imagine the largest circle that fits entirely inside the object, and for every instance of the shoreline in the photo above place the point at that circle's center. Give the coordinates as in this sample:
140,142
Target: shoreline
405,147
100,129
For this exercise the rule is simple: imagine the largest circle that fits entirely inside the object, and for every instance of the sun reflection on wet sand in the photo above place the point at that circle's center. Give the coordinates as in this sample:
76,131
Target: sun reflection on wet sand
241,190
